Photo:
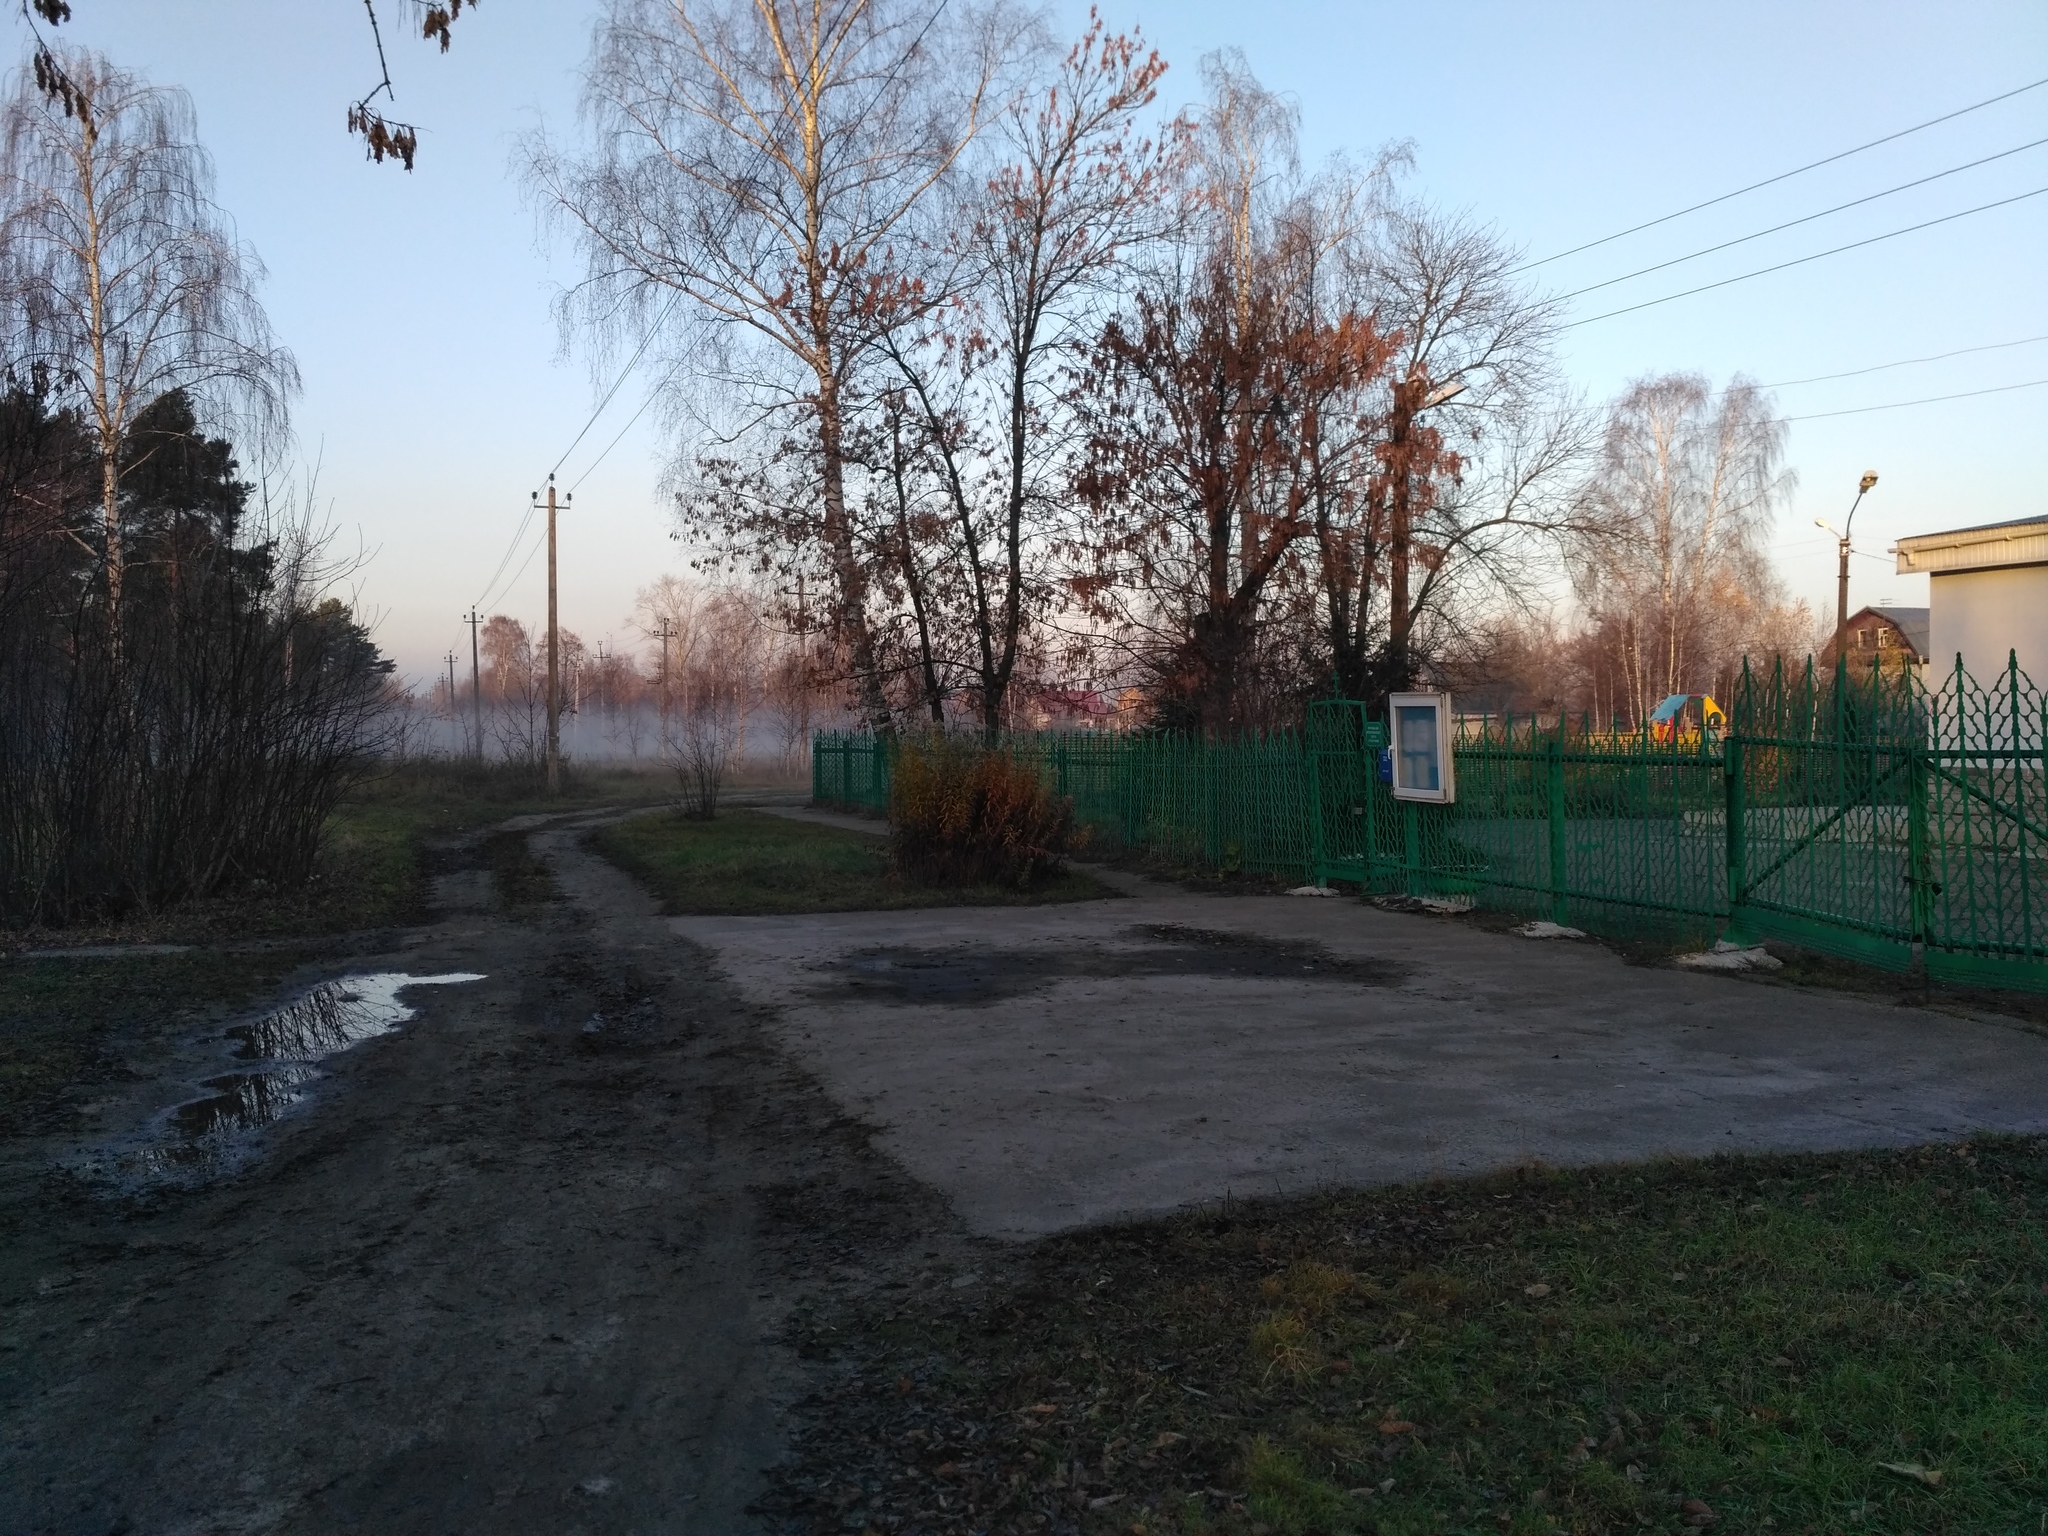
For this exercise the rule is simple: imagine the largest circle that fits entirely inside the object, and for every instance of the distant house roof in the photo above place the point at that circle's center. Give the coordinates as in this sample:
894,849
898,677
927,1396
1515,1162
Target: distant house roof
1910,622
1988,547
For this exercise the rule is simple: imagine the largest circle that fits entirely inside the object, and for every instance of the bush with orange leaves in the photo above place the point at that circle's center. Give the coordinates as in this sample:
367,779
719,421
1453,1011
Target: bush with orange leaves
963,814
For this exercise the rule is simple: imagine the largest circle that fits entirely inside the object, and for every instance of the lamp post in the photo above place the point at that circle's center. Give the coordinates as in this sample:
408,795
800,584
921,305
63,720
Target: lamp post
1842,578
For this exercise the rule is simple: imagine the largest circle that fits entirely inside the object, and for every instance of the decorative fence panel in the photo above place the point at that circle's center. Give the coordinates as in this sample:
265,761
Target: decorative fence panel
1875,817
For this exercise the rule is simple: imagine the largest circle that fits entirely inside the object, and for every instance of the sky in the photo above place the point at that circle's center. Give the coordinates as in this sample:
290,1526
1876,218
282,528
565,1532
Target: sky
438,394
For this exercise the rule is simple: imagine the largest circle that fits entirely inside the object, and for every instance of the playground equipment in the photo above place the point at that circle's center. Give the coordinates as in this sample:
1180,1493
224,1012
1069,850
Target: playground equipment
1682,717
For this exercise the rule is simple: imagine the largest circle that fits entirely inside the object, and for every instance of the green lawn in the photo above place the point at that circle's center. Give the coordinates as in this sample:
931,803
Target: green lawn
1799,1344
751,864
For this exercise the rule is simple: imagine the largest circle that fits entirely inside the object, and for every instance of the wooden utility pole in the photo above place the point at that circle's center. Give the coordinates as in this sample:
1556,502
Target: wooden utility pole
667,634
451,687
476,689
554,653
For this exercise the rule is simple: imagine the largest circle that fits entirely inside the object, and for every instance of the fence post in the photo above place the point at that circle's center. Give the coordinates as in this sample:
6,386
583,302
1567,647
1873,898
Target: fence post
1918,862
1411,847
1312,778
1554,756
1736,814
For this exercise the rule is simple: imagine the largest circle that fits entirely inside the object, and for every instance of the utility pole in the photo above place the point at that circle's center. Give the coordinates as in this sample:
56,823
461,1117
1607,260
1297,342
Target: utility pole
476,690
451,686
554,653
667,634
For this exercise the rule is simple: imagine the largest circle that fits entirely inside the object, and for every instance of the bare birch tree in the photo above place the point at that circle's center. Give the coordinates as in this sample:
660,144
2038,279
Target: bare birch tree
1682,502
125,278
763,159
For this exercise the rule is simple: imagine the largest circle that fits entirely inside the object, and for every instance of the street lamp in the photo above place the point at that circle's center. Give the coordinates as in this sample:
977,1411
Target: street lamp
1842,579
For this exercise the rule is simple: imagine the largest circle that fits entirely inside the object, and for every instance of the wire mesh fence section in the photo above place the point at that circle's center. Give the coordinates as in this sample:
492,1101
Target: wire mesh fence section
1227,807
1873,816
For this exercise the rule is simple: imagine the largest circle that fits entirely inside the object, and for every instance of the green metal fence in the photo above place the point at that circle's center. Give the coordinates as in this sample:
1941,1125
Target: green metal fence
1875,817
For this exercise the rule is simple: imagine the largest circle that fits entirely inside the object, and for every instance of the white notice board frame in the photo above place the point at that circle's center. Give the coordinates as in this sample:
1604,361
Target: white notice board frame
1411,768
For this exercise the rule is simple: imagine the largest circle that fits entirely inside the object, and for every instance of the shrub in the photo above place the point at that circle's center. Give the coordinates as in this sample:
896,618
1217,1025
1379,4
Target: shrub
961,814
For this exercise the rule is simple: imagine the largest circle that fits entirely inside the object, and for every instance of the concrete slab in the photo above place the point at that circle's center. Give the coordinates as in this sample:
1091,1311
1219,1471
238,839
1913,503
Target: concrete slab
1055,1066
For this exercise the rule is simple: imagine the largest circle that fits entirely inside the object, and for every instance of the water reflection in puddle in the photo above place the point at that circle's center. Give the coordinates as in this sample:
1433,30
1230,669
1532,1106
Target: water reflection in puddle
334,1016
211,1134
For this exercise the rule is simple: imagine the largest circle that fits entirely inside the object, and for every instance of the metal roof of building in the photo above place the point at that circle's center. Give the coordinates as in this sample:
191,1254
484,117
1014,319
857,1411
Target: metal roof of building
2023,541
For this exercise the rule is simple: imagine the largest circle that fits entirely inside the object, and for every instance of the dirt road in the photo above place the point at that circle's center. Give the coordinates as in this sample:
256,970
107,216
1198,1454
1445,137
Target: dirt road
500,1274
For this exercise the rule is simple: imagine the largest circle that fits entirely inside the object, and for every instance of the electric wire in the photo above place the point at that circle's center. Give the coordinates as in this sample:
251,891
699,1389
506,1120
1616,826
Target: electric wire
1800,261
624,373
1904,186
1906,362
1899,405
539,539
511,549
1813,165
652,395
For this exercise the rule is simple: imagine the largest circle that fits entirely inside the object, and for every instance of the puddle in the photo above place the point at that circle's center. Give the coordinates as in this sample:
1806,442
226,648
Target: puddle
901,974
334,1016
214,1133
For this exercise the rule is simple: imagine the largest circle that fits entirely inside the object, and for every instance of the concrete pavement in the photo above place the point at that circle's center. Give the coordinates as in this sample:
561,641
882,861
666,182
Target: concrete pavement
1054,1066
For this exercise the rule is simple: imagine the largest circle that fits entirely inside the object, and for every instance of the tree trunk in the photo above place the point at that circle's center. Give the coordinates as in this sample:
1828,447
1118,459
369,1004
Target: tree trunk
848,574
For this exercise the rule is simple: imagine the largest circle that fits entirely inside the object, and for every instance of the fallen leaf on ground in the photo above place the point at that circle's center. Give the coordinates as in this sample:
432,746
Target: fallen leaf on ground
1928,1476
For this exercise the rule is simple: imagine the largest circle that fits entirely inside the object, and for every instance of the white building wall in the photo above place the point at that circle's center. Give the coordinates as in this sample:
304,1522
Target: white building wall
1985,615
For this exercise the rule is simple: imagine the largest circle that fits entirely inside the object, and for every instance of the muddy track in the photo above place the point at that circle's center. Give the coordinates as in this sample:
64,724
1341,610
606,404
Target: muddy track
503,1273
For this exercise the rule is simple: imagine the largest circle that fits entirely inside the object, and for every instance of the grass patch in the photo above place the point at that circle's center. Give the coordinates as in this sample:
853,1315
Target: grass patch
1787,1344
749,864
66,1024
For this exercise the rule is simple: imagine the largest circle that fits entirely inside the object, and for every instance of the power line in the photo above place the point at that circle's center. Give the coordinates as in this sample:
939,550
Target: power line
1800,261
1905,362
624,374
653,395
511,549
527,561
1785,175
1904,186
1899,405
